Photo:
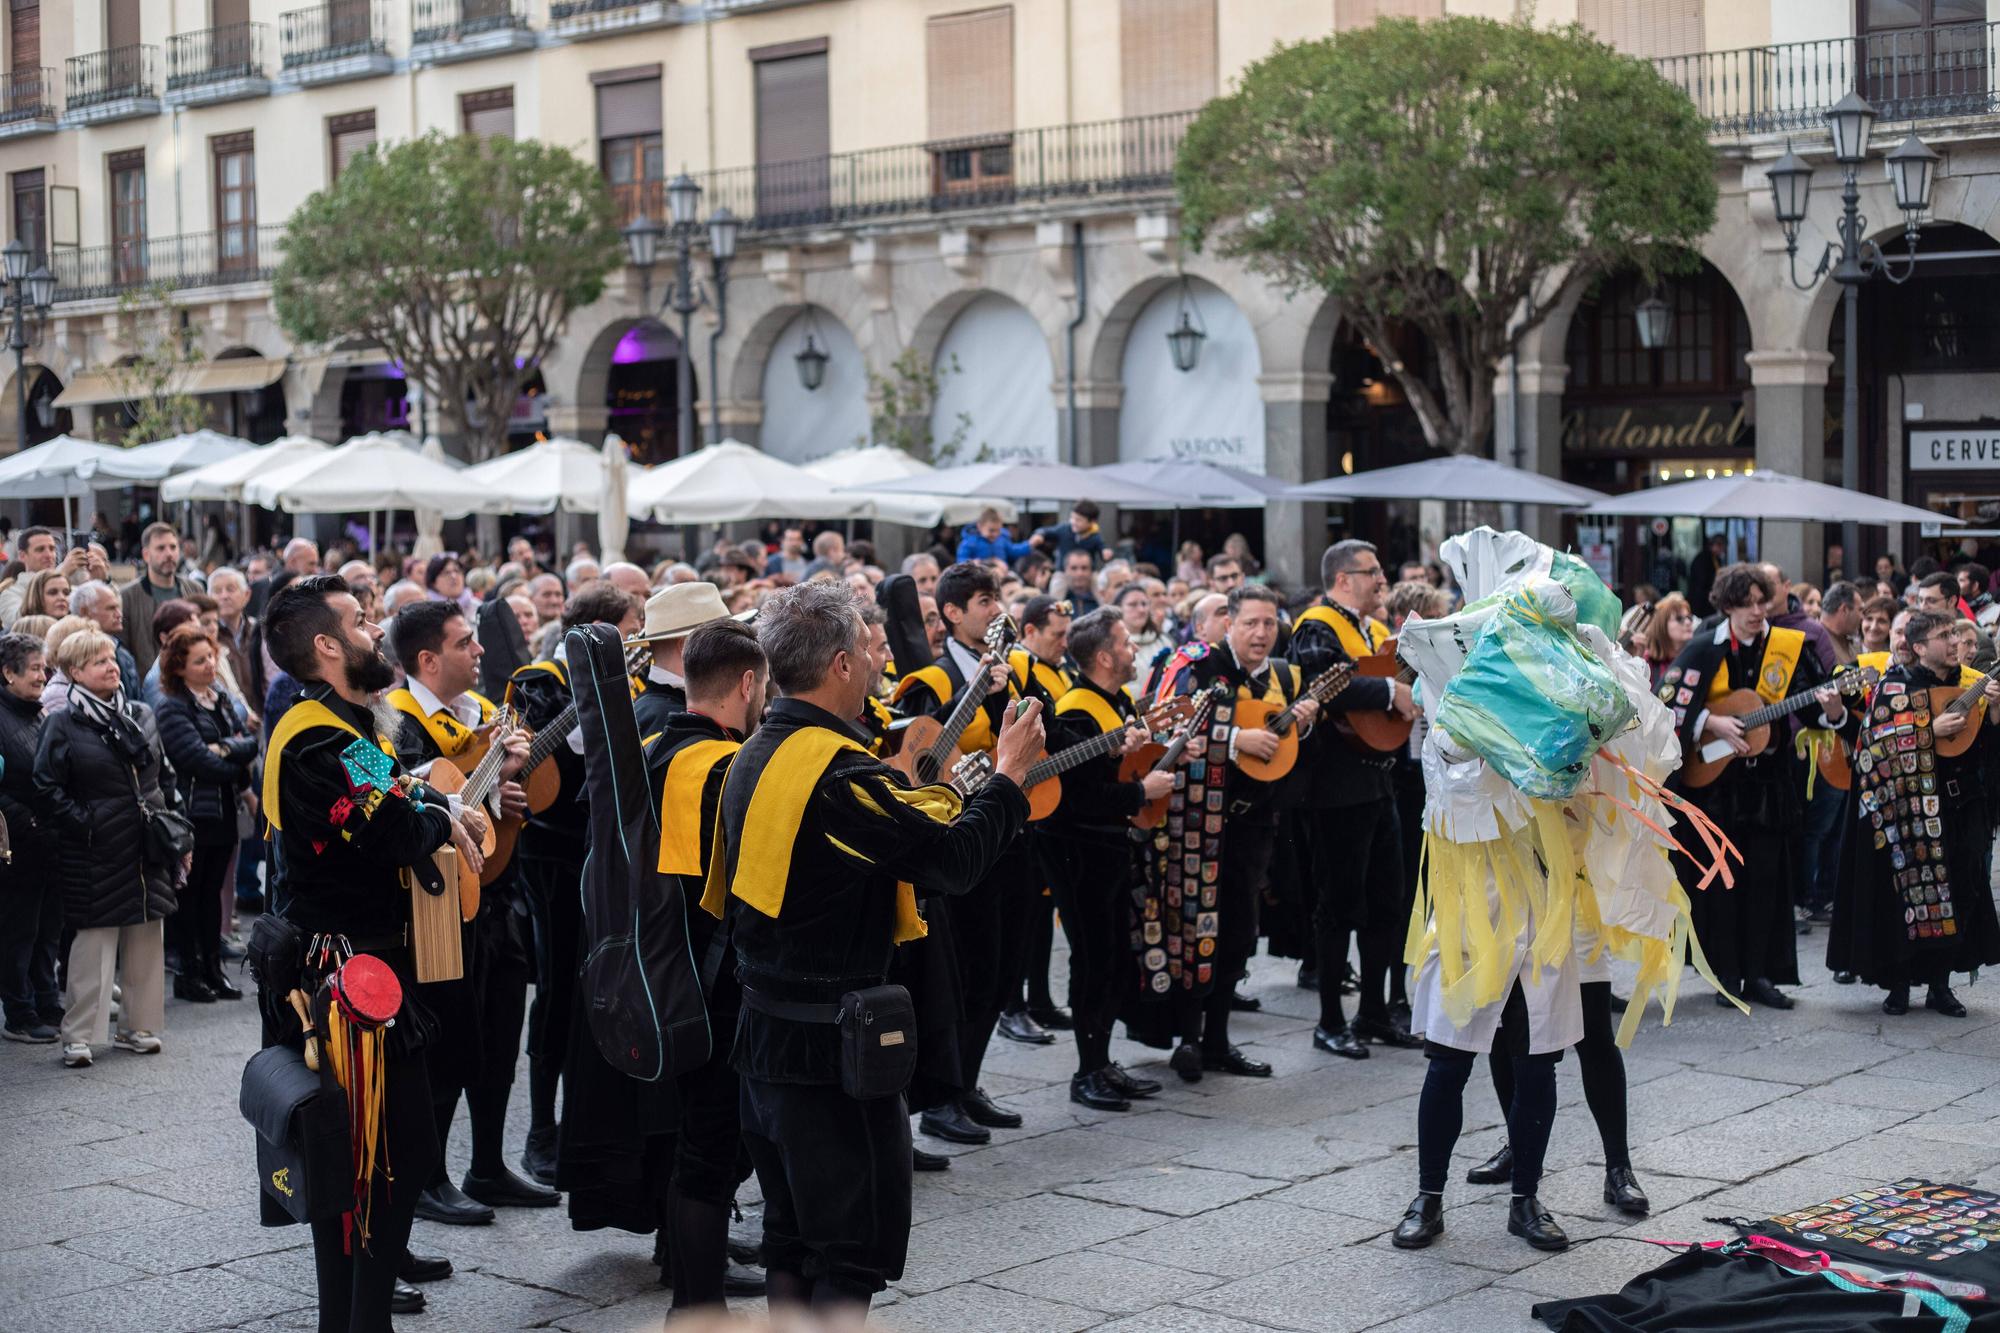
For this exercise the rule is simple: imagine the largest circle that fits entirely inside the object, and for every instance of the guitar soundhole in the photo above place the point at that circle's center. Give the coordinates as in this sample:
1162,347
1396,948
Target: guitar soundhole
927,770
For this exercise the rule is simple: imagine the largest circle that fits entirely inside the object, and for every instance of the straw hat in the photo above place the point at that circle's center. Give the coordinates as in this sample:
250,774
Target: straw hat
678,610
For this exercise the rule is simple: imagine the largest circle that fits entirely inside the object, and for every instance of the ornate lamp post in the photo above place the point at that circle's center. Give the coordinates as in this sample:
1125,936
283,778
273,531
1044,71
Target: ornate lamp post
29,296
687,294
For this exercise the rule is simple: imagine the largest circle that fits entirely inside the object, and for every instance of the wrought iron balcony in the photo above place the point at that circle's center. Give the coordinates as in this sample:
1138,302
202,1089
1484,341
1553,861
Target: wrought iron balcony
27,102
442,31
218,64
1915,74
1014,169
112,85
580,20
200,259
341,39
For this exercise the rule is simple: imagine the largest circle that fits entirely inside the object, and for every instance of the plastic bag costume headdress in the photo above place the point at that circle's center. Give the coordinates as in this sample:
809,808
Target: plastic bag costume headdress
1543,769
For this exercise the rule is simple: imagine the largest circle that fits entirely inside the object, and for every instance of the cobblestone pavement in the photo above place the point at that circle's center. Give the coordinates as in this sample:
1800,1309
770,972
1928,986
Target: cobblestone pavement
1227,1205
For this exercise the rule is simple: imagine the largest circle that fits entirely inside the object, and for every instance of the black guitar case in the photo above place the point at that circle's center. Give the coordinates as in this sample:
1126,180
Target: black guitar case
638,982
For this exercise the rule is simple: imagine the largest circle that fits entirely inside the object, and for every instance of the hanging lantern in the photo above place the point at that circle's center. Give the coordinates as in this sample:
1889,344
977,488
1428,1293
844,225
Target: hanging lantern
812,358
1188,333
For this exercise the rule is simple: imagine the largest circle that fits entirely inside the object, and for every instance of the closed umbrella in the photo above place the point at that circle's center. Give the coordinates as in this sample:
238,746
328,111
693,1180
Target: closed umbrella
225,479
882,462
1042,484
1453,477
729,482
561,473
614,522
430,521
1764,494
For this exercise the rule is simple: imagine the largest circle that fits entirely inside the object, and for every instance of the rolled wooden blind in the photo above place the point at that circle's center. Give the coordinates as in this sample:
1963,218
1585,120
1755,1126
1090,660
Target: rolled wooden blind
626,109
791,108
969,69
1166,54
1351,14
1646,27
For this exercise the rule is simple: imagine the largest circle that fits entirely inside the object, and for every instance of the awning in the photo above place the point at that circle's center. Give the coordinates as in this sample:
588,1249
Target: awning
238,374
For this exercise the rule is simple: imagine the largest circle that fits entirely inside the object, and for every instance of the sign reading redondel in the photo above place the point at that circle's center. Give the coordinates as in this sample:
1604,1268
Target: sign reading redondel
1962,449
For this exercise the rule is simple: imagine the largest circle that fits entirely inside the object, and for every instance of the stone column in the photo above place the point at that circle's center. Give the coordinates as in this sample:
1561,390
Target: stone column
1790,387
1540,443
578,422
1295,450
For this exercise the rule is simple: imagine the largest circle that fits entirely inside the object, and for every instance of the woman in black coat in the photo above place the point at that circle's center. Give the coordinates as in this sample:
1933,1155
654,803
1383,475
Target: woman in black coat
211,752
30,905
98,776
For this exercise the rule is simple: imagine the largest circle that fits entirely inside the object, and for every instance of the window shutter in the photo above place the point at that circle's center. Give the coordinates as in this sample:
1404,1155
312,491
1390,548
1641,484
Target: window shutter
488,114
1351,14
792,109
224,13
1646,27
24,37
969,70
1166,54
121,23
628,108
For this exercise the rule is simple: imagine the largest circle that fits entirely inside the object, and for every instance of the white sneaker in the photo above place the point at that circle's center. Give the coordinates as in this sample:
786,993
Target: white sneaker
77,1055
137,1042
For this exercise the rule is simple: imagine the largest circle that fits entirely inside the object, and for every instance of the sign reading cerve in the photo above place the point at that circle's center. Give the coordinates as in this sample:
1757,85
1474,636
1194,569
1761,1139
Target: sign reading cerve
1963,449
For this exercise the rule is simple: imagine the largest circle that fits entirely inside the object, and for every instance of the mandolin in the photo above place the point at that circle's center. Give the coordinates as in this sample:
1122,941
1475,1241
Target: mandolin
1044,791
1705,764
1164,758
1374,731
928,745
1254,713
1960,701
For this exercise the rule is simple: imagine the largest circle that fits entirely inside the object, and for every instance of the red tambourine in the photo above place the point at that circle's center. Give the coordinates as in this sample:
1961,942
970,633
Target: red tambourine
367,991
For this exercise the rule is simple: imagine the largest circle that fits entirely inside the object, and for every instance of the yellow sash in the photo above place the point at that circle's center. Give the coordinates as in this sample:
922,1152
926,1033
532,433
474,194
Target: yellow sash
1274,691
1343,629
1053,680
680,804
551,667
883,719
978,733
301,716
777,809
446,732
1084,700
1774,677
1880,661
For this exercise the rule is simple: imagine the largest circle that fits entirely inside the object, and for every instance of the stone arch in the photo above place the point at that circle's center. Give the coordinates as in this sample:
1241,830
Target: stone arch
1003,378
1212,411
801,424
628,341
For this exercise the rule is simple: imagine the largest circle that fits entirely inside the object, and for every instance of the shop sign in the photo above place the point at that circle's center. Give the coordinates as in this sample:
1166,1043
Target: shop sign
1657,428
1963,449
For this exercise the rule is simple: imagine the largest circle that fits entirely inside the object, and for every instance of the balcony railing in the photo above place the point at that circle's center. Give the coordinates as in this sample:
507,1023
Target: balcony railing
201,259
216,55
453,20
27,94
996,171
333,31
1916,74
111,76
570,9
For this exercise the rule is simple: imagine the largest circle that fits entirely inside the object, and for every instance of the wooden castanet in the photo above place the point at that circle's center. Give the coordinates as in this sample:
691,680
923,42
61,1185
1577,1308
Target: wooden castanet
1252,715
447,778
1134,768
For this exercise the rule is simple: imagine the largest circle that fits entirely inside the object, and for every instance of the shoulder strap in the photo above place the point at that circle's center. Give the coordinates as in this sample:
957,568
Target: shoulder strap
933,676
680,803
1088,702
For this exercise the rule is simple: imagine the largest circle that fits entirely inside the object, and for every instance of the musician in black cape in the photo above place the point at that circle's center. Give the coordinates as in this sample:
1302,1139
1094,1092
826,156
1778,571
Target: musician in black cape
1913,902
1748,932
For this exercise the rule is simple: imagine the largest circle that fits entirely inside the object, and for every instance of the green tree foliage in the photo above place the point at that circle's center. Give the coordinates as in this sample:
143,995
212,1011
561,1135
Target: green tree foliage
463,257
904,399
1454,175
155,378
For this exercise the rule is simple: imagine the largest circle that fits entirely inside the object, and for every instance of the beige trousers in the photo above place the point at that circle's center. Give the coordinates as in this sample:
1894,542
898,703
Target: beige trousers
94,957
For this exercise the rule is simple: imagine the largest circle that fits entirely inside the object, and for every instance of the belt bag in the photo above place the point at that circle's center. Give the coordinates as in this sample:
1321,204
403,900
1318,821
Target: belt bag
878,1036
304,1161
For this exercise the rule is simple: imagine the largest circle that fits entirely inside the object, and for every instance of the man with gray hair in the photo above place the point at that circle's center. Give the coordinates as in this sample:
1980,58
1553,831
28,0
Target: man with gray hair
580,573
819,842
98,601
923,567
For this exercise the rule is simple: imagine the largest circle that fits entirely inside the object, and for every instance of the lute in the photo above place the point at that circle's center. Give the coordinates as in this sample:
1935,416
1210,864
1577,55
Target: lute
1255,713
1164,759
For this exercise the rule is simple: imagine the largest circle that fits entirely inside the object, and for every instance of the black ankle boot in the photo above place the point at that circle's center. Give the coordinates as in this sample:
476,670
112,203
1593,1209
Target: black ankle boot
1530,1221
212,977
1621,1191
1495,1170
1423,1222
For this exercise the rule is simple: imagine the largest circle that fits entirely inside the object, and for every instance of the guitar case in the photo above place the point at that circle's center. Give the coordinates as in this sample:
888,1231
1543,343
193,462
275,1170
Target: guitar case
639,983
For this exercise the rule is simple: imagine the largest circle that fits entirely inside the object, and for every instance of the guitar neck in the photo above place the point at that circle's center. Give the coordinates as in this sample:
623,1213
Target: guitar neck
479,785
1329,682
961,715
1783,708
1076,754
1968,700
549,737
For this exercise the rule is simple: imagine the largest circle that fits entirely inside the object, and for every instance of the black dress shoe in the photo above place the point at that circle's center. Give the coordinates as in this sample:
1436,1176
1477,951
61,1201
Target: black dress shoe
752,1256
1186,1061
950,1123
741,1280
1308,977
538,1158
1763,992
1844,978
1530,1221
1127,1082
1018,1026
1339,1041
1385,1034
1399,1014
1052,1016
1423,1222
928,1161
1495,1170
423,1267
1095,1091
1943,1001
192,988
405,1299
224,989
1898,1001
985,1111
1233,1061
446,1203
508,1190
1621,1191
1244,1004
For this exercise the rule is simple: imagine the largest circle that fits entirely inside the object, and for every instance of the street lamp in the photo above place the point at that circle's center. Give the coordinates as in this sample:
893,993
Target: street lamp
26,292
1184,340
812,358
1853,259
1656,322
687,295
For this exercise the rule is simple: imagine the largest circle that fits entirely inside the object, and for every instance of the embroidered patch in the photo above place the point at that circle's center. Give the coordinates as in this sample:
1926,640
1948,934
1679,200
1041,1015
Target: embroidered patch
340,812
1691,676
1195,651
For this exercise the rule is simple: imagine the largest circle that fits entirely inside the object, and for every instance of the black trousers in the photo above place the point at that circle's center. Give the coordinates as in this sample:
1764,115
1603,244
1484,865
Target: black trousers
481,1016
836,1179
552,889
1091,878
1602,1067
1203,1017
196,925
31,927
990,926
1357,873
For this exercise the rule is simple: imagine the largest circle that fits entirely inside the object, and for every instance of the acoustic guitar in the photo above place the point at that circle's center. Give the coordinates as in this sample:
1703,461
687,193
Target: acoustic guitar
1042,784
1959,701
1252,714
928,745
541,779
474,777
1705,764
1369,730
1165,758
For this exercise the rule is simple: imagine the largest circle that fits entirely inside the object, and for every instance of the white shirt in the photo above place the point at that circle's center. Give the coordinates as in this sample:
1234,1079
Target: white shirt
659,675
463,709
967,660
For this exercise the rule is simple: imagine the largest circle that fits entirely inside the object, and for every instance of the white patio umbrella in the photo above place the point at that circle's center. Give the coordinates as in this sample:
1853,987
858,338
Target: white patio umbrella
1044,484
368,472
430,521
1199,484
882,462
547,475
730,481
1764,494
67,468
187,453
1453,477
225,479
614,521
